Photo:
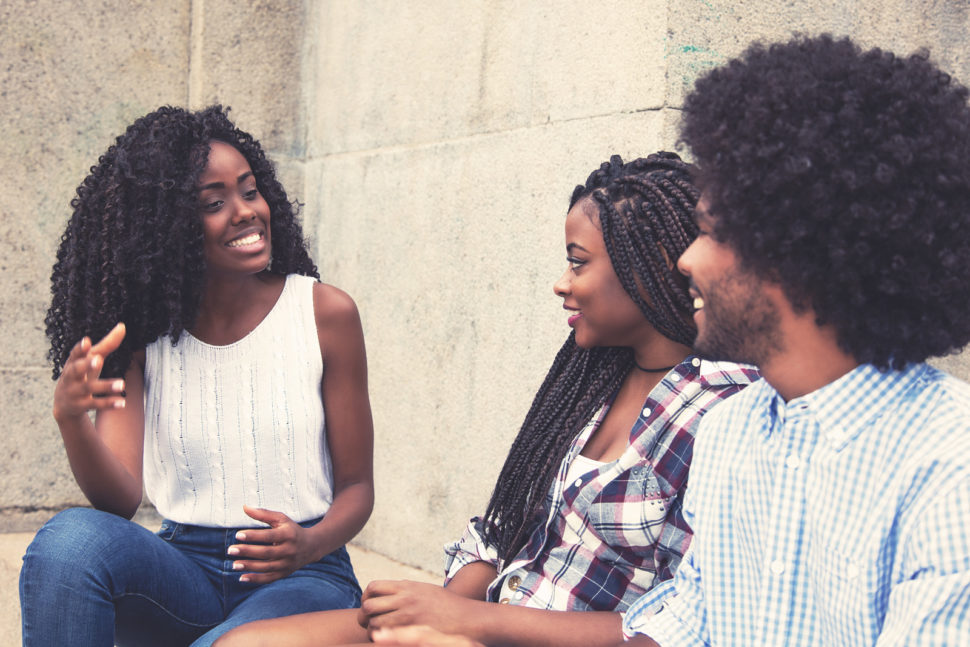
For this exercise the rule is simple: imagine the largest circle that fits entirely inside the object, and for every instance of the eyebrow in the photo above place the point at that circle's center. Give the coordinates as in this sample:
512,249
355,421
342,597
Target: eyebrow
220,185
571,246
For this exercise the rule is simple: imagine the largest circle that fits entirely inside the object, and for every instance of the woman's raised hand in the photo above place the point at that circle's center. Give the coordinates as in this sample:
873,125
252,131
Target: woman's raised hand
80,388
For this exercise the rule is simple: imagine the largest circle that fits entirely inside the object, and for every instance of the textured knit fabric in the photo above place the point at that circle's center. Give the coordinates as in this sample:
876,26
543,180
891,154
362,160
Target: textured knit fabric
838,518
239,424
609,535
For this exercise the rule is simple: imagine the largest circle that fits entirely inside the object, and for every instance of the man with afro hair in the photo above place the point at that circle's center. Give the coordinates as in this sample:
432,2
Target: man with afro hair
830,502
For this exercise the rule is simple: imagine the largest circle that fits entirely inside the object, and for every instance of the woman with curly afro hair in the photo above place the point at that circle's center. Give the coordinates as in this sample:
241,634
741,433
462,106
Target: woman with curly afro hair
586,513
228,382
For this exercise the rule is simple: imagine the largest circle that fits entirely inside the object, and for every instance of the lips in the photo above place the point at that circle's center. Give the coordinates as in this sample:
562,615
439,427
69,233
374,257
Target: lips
573,318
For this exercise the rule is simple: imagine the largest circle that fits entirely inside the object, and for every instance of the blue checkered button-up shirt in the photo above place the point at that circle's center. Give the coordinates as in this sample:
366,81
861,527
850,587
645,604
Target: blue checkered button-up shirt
611,534
838,518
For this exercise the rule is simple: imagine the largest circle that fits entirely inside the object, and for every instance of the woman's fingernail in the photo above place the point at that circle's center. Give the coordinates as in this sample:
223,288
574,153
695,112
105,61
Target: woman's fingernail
118,385
240,536
243,578
233,550
237,566
119,404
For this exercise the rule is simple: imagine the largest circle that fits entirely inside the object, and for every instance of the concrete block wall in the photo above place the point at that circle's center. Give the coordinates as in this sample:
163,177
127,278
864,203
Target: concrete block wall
434,144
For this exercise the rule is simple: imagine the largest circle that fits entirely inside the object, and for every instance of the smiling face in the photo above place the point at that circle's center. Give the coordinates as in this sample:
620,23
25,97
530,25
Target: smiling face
600,310
235,217
735,316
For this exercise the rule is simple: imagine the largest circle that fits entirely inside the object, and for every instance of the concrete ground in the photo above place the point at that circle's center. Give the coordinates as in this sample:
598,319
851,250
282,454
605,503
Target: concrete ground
368,565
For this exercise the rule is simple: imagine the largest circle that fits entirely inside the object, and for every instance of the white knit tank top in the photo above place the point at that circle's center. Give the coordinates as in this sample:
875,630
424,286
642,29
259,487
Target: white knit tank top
240,424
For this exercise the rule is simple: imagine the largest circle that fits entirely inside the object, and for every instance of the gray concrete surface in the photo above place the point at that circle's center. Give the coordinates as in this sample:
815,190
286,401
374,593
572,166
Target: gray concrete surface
367,564
434,145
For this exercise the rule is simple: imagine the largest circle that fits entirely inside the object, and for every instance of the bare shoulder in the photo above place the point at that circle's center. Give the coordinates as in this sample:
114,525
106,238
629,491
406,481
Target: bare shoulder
334,309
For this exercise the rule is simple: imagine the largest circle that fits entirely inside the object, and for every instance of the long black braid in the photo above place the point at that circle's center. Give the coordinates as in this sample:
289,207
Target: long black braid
133,248
646,214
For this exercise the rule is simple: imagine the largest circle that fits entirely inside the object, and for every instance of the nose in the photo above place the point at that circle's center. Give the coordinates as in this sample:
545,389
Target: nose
686,259
243,212
561,287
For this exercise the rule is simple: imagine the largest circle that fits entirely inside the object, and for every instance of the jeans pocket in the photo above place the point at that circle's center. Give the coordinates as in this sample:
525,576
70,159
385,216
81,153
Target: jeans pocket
168,530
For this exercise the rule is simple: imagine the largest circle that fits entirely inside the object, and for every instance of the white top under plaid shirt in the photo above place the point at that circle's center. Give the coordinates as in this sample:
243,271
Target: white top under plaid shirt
839,518
610,534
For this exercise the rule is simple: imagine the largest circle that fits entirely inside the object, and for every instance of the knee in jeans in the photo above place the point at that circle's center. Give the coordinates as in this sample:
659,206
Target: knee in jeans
68,541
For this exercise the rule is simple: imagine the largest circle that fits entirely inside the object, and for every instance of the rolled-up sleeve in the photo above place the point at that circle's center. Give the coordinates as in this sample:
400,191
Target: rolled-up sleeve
470,548
673,612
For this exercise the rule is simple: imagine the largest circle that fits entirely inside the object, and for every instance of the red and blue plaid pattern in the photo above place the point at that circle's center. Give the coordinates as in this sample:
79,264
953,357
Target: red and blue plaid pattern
611,534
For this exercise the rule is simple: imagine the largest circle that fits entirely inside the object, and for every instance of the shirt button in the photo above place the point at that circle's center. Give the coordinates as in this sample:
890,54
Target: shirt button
578,482
514,582
517,595
675,377
695,362
646,412
793,462
503,601
777,567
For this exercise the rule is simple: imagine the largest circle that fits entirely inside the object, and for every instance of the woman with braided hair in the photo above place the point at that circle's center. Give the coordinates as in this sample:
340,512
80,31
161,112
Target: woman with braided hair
586,513
228,382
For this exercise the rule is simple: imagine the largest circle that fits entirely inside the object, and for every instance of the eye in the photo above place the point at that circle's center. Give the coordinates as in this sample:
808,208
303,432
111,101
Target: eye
251,194
212,205
575,263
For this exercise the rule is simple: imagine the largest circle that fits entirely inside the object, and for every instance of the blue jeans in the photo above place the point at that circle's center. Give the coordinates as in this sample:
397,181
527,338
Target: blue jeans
93,578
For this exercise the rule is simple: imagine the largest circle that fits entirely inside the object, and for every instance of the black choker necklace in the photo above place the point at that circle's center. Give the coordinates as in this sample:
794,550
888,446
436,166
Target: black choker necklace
662,369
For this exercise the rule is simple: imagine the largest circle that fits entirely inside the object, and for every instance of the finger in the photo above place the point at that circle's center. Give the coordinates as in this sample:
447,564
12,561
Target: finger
95,365
254,552
104,388
105,402
376,606
80,349
271,517
410,635
110,342
262,578
382,587
258,566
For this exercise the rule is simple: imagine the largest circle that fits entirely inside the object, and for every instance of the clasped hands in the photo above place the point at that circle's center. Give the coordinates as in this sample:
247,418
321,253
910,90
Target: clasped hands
414,613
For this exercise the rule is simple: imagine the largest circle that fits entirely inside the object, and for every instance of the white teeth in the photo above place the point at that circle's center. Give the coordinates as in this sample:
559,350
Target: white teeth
698,303
246,240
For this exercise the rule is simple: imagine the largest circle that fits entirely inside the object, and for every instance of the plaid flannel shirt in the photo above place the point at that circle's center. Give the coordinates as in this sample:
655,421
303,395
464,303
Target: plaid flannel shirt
614,532
838,518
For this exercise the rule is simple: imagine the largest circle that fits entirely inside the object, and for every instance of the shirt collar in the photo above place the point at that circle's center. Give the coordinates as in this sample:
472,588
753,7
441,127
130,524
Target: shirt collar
853,402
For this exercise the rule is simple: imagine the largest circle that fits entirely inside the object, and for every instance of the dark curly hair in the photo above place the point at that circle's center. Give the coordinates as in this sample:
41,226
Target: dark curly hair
132,251
844,176
643,205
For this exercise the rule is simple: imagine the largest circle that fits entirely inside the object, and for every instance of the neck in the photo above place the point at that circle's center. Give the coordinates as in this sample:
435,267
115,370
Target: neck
809,359
659,352
226,298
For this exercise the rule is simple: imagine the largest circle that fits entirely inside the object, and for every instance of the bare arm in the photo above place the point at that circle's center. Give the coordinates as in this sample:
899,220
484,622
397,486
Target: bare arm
472,580
350,438
105,457
398,603
350,427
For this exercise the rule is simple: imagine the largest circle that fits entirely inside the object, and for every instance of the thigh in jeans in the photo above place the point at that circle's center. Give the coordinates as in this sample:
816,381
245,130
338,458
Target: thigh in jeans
327,584
87,569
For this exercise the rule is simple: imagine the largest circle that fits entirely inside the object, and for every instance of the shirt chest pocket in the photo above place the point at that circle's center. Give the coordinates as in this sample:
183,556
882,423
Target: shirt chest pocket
630,511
